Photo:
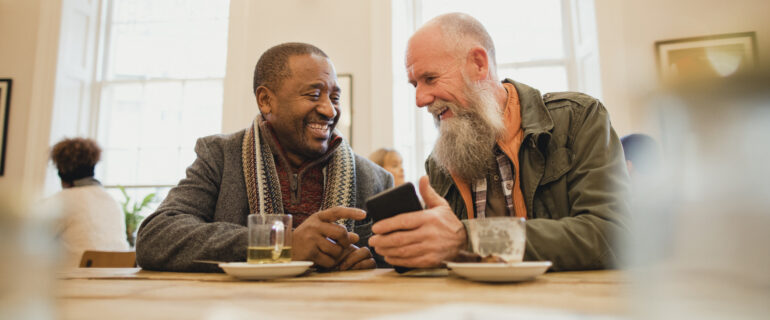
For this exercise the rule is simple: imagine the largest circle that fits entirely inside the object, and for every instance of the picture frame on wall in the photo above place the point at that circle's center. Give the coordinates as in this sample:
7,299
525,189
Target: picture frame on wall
706,57
345,124
5,104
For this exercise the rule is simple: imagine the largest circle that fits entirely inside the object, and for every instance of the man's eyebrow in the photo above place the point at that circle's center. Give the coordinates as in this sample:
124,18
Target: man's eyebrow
428,74
315,85
422,76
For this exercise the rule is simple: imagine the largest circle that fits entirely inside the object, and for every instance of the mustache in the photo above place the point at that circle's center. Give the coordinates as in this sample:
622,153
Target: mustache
439,106
321,119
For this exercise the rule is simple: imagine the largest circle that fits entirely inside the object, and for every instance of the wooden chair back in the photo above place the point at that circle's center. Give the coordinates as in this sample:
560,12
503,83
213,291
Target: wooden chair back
108,259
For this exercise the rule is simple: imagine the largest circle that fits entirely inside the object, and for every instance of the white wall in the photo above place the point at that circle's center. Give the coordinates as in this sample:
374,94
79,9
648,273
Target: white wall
628,31
28,56
15,64
355,35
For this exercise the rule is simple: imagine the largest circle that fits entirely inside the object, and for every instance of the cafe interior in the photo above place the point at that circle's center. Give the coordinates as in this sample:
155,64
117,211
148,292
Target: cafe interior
145,79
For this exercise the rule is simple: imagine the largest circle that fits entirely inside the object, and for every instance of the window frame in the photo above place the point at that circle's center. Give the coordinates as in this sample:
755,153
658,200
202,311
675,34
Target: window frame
104,52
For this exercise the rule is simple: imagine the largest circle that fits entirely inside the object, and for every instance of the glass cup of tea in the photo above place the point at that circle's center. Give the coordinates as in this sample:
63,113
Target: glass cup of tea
270,238
504,237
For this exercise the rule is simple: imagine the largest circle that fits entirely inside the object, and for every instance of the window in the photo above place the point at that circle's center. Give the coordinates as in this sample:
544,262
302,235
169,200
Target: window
159,85
529,37
535,44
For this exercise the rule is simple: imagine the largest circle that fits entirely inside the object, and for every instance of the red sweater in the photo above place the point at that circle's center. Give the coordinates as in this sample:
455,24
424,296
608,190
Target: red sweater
301,188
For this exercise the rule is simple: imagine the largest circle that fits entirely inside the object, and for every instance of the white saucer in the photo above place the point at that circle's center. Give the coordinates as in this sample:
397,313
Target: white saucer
253,271
499,272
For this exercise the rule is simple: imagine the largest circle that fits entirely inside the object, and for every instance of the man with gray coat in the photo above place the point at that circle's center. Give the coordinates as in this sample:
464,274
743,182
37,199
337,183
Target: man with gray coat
289,161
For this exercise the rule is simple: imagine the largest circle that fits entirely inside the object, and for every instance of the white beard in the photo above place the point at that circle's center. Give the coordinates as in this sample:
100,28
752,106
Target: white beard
466,141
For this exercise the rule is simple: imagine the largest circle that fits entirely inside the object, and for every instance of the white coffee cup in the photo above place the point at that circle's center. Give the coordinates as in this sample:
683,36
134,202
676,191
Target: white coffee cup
504,237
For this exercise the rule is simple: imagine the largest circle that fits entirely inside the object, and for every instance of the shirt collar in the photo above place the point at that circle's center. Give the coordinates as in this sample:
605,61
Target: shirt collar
87,181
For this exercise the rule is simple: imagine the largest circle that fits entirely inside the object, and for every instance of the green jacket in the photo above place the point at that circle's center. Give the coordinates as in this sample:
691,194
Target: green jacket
573,178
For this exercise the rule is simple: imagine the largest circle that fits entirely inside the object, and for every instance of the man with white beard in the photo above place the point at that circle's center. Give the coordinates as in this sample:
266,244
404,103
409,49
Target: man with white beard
506,150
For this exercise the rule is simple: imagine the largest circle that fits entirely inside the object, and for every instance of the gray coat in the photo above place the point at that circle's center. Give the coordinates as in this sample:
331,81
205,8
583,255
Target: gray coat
204,216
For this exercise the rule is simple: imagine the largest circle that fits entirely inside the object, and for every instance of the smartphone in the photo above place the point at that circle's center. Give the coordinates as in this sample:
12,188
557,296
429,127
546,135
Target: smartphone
392,202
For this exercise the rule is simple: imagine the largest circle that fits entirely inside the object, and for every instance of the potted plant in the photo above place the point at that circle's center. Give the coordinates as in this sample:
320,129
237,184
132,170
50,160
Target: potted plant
132,211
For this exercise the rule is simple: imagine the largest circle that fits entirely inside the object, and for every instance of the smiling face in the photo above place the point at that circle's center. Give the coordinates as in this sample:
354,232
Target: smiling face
305,109
457,89
435,70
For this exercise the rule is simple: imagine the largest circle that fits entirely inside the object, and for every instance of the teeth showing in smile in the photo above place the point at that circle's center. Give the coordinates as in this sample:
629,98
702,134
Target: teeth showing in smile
319,129
318,126
441,112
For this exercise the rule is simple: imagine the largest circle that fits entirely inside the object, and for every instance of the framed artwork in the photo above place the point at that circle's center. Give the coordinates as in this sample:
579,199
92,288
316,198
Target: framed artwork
706,57
5,103
345,124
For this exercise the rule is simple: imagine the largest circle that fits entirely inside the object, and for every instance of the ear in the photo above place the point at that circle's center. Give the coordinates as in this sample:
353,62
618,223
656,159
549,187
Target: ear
477,64
265,100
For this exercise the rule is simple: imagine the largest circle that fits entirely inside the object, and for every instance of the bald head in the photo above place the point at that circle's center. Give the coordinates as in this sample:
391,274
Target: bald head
450,62
458,33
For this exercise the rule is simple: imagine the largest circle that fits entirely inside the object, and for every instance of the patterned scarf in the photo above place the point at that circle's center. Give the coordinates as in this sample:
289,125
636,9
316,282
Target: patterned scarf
264,189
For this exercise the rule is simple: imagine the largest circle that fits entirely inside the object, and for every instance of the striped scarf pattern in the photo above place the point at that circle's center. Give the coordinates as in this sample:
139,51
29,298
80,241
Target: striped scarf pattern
264,190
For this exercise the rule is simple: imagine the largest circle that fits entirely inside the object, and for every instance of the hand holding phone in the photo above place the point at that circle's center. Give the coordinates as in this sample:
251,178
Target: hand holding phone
389,203
392,202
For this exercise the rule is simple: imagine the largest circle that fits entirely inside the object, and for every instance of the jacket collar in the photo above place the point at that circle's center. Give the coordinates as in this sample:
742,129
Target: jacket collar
534,116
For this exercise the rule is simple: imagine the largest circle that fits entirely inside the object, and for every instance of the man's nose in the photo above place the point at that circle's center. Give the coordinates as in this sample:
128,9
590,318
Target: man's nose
423,96
326,108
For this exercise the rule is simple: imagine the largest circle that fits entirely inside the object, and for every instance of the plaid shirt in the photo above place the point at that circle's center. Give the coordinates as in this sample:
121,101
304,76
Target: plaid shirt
479,187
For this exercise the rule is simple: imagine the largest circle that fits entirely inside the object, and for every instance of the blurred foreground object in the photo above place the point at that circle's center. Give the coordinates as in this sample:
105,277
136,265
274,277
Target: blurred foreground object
28,252
699,249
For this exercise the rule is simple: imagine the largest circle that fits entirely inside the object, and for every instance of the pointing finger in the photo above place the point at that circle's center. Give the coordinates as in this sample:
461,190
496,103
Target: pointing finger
336,213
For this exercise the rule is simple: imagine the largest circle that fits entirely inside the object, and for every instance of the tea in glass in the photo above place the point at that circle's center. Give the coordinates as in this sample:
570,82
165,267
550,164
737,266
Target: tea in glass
270,237
268,255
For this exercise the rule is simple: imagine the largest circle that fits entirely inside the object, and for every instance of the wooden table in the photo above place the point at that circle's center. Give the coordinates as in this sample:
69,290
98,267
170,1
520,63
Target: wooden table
138,294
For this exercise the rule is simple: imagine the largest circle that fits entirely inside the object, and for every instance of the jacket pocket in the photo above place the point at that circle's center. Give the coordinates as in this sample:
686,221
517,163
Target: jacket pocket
540,209
552,192
558,163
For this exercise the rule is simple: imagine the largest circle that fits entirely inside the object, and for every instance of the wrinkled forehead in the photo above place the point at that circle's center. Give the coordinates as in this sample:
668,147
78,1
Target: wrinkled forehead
422,41
429,49
310,64
312,69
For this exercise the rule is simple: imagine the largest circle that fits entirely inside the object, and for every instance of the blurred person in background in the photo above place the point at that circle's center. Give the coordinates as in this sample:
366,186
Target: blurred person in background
392,161
642,155
90,218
